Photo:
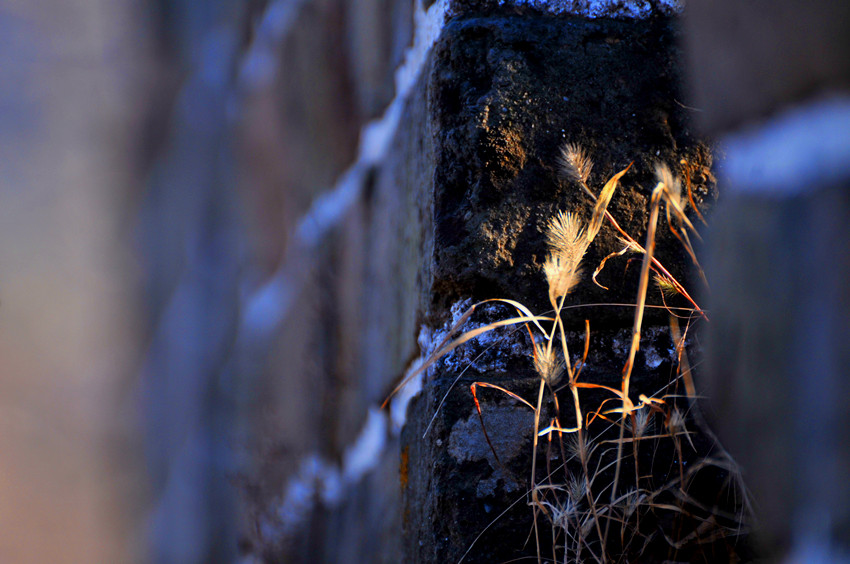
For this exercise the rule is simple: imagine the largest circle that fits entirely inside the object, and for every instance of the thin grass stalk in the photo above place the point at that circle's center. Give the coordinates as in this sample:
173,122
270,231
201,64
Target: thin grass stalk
655,261
655,204
580,433
590,501
686,166
560,435
637,465
569,369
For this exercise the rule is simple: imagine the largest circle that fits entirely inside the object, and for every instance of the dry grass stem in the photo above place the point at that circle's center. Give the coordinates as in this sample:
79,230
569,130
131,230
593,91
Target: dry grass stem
588,492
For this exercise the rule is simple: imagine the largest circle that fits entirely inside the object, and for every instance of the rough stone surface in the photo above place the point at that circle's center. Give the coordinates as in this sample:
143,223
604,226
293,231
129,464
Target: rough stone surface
623,9
269,334
507,93
509,430
457,490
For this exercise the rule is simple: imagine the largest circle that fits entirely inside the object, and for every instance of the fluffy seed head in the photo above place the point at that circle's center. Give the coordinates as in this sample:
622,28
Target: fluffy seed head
575,444
674,186
630,502
567,245
563,513
561,276
575,164
665,285
547,364
577,489
676,422
641,423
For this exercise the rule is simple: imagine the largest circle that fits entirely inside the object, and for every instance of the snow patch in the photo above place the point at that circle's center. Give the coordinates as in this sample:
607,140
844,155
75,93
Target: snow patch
398,406
377,136
319,479
652,354
259,66
795,152
633,9
329,207
490,350
301,491
653,359
428,340
265,307
363,455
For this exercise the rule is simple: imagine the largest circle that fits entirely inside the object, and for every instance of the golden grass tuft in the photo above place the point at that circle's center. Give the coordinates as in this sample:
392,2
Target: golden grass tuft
593,516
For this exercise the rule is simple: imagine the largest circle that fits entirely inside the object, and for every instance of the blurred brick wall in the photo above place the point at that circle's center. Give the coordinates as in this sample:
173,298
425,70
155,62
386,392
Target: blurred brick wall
337,250
773,82
158,162
748,60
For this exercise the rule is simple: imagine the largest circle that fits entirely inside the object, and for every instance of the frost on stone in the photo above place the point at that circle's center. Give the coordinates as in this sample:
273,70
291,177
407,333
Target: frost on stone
429,339
654,355
509,428
656,346
636,9
489,351
653,359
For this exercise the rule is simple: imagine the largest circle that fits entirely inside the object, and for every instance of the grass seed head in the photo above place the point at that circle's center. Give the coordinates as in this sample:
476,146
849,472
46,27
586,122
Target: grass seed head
665,285
676,422
577,489
576,443
674,186
575,164
547,364
567,245
641,423
562,514
630,502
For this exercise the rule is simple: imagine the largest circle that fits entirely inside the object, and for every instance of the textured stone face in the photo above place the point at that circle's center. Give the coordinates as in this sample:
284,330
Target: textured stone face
506,94
509,429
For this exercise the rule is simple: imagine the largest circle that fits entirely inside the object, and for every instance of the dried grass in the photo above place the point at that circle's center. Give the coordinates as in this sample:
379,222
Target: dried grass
592,515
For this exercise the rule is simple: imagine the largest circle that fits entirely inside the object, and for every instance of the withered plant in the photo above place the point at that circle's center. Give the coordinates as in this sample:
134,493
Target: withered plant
594,512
